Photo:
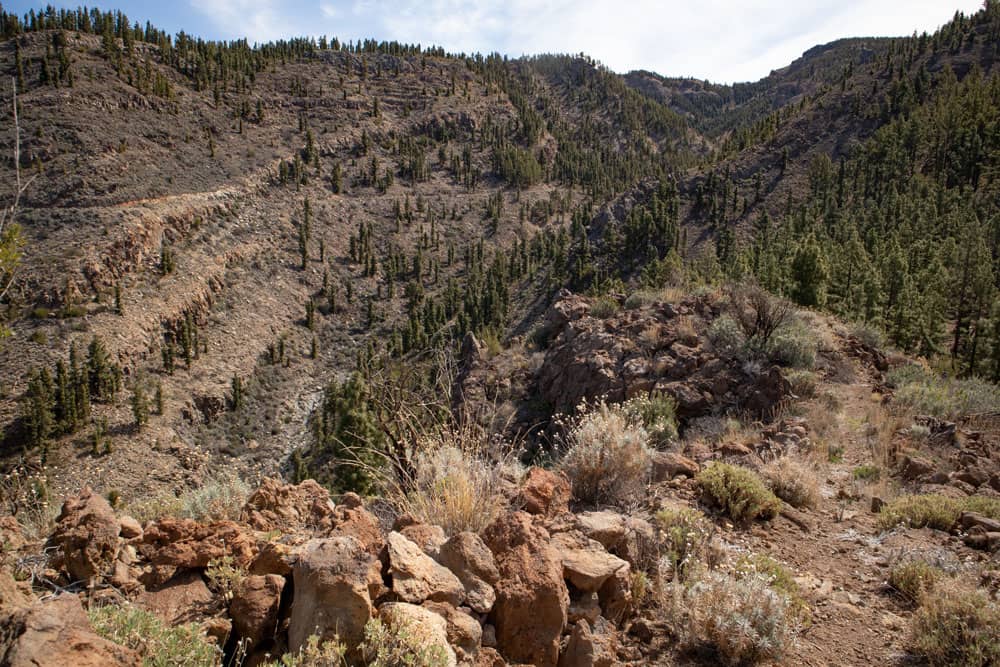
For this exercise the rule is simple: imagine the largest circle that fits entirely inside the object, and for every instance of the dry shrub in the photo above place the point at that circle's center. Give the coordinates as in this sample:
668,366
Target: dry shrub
218,499
739,492
458,481
607,455
956,626
914,578
686,331
740,619
793,481
399,644
684,537
934,511
24,494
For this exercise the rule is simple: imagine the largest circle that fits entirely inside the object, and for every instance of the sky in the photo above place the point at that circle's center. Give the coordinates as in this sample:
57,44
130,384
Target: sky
719,40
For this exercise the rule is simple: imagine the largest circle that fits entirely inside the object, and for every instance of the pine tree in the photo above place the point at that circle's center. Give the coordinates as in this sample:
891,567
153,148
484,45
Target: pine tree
140,406
809,274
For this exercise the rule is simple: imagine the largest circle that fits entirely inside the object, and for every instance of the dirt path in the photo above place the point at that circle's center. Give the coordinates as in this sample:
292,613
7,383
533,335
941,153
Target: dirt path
841,563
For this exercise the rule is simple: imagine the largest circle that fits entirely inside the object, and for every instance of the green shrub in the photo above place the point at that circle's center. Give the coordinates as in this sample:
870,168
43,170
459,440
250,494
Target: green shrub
924,392
867,473
396,645
157,644
215,500
684,534
742,619
41,313
914,578
956,627
603,307
739,492
803,382
793,346
780,579
868,334
607,457
658,414
330,653
38,337
934,511
726,335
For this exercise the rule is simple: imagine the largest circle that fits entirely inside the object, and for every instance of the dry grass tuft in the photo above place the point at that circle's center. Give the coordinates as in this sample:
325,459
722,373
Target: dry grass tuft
934,511
955,626
459,480
607,455
793,481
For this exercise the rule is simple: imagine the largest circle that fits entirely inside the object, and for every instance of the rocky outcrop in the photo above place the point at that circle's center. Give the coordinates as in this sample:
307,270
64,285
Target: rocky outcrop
254,608
57,632
86,536
472,562
532,599
169,545
286,507
545,492
331,579
417,577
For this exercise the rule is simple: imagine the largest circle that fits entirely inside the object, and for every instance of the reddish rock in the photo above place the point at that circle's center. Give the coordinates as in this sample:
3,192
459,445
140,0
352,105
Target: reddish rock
587,649
472,562
428,538
86,536
532,599
278,506
667,465
545,492
331,580
417,577
464,632
254,608
128,527
351,519
914,467
183,599
177,544
274,558
57,633
586,564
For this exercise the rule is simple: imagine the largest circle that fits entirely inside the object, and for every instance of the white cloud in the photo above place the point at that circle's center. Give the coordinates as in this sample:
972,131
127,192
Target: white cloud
716,39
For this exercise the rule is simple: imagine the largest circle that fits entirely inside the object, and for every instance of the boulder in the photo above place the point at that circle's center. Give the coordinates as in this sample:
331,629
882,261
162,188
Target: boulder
12,592
915,467
428,538
545,492
417,577
472,562
274,558
351,519
183,599
464,632
128,527
254,608
606,527
532,599
616,596
587,649
331,580
177,544
427,629
57,632
586,564
86,536
974,520
278,506
667,465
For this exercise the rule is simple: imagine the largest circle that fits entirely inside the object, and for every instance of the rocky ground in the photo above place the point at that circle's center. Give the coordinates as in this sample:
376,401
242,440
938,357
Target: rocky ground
546,578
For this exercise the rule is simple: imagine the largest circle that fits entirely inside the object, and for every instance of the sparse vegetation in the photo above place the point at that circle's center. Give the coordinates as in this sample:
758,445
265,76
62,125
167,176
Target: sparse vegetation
934,511
393,644
216,500
158,644
793,481
923,392
956,627
684,535
606,455
739,492
913,578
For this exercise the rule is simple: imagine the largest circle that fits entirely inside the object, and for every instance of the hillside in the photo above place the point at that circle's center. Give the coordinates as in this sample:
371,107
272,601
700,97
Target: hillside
266,302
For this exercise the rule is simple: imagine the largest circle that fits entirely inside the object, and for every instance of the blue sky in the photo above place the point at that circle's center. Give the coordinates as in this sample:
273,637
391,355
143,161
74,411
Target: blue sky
721,40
